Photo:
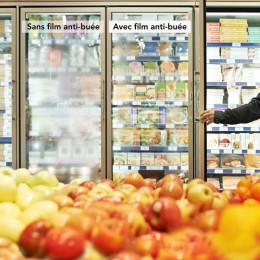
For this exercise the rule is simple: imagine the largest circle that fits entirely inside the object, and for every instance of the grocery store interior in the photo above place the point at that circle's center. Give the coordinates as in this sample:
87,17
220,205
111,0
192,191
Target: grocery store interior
101,105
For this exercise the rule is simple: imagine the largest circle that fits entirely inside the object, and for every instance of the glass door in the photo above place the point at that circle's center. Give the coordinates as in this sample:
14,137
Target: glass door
63,92
8,133
151,128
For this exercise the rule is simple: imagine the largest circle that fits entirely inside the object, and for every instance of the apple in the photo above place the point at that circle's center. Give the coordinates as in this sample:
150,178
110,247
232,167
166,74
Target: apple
125,255
62,200
139,197
126,189
193,182
201,195
220,201
135,179
165,214
212,186
75,191
232,196
149,183
64,243
8,171
59,218
45,178
109,182
22,175
171,189
169,177
71,210
88,184
9,209
8,187
32,239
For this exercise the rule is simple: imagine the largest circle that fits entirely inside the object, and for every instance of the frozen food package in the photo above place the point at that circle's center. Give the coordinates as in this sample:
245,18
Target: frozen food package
149,49
238,140
160,90
181,49
225,141
150,68
228,72
124,115
234,94
184,159
250,141
135,68
165,49
119,49
134,159
150,92
90,87
123,137
181,91
214,181
120,158
177,137
176,115
133,49
140,92
232,161
77,55
160,159
119,68
230,182
212,141
123,92
170,91
174,159
137,137
252,161
153,137
92,56
153,115
212,161
147,159
183,68
167,68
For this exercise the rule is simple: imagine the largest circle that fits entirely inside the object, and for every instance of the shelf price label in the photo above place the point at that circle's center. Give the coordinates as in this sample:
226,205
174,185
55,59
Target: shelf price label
172,148
173,167
250,151
219,171
145,148
123,168
116,148
145,126
135,168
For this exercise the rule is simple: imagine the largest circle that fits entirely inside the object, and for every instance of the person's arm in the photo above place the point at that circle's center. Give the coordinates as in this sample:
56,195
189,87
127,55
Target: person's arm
243,114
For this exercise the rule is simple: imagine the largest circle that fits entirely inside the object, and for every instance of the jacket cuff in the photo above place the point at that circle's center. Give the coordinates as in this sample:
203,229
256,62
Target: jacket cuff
217,116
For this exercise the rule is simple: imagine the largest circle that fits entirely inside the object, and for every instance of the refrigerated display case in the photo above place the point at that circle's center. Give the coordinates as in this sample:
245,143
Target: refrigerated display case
62,93
233,47
151,126
8,137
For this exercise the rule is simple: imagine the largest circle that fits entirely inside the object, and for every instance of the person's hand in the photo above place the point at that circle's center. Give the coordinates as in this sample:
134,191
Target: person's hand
207,116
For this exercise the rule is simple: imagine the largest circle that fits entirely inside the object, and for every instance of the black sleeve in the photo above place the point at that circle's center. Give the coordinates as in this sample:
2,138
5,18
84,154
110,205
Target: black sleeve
243,114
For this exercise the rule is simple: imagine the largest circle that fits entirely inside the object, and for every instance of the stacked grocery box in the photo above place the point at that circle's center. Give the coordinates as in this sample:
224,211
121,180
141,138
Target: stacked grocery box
233,30
215,96
213,34
214,73
253,34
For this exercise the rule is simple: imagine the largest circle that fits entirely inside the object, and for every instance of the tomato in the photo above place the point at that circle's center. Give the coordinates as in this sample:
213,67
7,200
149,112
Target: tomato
64,243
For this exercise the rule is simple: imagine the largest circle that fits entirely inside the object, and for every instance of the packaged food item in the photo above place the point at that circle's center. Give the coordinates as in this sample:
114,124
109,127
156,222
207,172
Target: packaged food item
123,137
170,91
134,159
123,92
147,159
183,68
119,49
233,161
225,141
150,115
150,49
234,94
250,141
212,141
178,137
92,56
230,182
181,91
55,57
228,72
165,49
150,92
160,90
153,137
133,49
124,115
119,68
176,115
252,161
212,161
77,55
150,68
135,68
140,92
160,159
174,159
167,68
137,137
120,158
184,159
181,49
238,141
214,181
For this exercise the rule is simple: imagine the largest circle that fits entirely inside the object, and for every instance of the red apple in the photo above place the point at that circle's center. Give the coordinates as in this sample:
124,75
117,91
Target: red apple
212,186
232,196
109,182
64,243
220,201
88,184
32,239
135,179
171,189
125,255
149,182
75,191
201,195
169,177
165,214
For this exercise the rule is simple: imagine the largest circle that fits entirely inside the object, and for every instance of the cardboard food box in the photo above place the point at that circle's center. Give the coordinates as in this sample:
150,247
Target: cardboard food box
178,137
153,137
134,159
120,158
232,161
252,161
147,159
123,92
160,90
124,115
184,159
238,141
160,159
151,115
123,137
174,159
212,161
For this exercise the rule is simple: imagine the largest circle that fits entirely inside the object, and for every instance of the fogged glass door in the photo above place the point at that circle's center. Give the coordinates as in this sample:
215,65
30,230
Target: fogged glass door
63,92
7,89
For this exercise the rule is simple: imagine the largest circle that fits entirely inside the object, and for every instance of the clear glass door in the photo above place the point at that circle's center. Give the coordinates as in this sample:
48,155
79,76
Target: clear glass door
63,91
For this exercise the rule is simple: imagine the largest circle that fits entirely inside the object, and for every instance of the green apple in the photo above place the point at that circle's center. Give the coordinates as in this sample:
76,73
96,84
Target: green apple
9,209
8,188
45,178
22,175
7,171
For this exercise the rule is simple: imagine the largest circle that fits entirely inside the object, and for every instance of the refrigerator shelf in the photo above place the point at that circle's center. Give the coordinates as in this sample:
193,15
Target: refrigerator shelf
145,78
5,140
134,38
53,41
150,58
34,70
232,129
136,168
150,148
232,61
147,126
238,84
233,44
151,103
233,151
220,171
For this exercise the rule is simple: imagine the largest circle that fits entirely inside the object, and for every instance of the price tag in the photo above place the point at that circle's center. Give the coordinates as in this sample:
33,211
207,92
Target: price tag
60,41
136,103
173,167
135,168
183,57
2,164
115,58
116,148
164,38
47,41
180,38
159,103
118,103
163,58
214,151
236,44
170,78
230,61
130,58
170,125
145,126
157,167
123,168
219,171
120,78
136,77
153,78
223,128
250,171
239,151
61,69
145,148
254,128
250,151
178,103
118,126
236,171
228,151
115,168
239,129
172,148
251,83
184,168
73,69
